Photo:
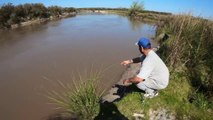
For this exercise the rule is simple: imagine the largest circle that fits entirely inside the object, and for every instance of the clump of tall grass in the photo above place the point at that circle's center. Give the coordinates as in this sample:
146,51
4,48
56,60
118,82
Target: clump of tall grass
190,44
82,100
135,8
189,38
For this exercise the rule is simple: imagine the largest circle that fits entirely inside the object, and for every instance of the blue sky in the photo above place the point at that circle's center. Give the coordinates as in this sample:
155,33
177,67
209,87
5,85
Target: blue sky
196,7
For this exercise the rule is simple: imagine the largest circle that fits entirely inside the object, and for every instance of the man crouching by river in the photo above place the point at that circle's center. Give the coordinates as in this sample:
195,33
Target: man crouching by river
153,75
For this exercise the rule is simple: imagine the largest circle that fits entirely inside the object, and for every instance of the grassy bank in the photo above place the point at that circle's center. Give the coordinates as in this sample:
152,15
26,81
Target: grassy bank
174,100
137,11
188,54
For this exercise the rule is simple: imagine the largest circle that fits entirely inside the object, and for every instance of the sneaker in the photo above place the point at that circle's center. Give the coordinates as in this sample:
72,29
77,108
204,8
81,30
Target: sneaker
154,94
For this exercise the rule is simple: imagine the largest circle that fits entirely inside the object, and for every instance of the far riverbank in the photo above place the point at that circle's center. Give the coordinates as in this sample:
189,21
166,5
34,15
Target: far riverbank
41,20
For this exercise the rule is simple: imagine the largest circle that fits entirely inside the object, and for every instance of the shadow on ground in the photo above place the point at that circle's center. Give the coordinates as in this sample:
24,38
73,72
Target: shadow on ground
124,90
108,110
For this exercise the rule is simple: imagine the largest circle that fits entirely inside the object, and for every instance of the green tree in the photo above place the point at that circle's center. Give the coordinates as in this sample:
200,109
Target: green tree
18,14
10,14
5,14
27,10
55,10
39,11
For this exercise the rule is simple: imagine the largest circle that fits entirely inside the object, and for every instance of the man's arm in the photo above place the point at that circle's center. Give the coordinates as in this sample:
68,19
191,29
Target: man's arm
133,80
134,60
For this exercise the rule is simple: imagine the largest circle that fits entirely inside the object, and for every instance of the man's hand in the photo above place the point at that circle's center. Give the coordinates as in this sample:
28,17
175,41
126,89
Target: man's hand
126,62
133,80
126,82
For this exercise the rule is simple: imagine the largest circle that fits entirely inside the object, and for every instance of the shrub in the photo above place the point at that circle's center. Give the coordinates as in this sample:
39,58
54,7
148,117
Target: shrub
5,14
38,11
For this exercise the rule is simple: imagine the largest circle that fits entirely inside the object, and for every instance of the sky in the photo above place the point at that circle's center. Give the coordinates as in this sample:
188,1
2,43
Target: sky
202,8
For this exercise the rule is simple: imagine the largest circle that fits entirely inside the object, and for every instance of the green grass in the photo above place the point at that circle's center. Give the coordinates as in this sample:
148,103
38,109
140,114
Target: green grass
83,100
188,54
174,98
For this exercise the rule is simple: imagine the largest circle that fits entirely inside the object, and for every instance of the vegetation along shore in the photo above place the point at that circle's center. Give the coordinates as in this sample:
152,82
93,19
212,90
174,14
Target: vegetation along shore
12,16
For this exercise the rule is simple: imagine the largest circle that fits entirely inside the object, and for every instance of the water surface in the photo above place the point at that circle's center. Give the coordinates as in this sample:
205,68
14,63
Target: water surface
34,58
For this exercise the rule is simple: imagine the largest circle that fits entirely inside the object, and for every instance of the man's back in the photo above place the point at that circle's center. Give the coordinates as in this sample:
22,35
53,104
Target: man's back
153,68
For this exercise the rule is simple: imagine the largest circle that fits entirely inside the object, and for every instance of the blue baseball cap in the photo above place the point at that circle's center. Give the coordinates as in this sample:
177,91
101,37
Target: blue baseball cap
144,42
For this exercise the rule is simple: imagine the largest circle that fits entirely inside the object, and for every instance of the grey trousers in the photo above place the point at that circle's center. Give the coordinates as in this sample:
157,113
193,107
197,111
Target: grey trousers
149,86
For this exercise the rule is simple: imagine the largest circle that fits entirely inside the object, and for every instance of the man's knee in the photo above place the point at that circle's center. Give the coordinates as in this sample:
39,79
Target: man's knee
141,86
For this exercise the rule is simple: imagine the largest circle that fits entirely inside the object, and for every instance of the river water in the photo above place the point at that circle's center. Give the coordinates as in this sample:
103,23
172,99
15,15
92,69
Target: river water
34,58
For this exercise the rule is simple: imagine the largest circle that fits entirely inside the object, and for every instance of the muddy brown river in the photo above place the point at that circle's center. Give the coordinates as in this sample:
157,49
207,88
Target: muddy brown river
34,58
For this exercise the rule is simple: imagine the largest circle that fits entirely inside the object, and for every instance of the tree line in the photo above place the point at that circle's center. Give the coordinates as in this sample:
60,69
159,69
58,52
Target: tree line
15,14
